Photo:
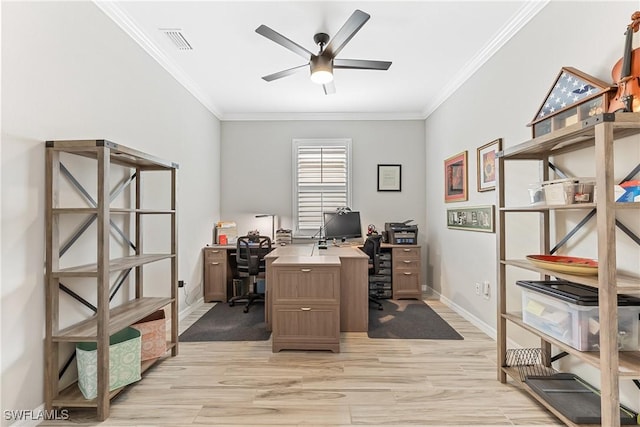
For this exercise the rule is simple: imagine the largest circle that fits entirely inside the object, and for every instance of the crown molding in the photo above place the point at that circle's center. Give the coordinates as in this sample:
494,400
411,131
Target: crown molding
319,116
524,15
132,29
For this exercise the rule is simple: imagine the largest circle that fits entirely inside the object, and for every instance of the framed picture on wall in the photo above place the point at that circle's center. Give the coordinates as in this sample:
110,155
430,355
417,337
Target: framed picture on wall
487,165
474,218
389,178
455,178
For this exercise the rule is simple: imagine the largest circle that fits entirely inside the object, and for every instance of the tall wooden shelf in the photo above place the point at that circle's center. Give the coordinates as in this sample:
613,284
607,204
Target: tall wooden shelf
600,132
106,320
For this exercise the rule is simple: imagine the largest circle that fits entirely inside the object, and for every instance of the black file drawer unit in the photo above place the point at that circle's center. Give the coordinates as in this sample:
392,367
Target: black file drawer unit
380,284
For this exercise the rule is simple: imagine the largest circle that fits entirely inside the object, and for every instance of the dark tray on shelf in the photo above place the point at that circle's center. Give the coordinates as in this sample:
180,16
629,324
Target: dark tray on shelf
571,396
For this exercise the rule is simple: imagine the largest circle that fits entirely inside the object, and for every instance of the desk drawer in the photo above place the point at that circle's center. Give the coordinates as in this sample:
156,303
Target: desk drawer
405,253
406,284
212,254
406,265
306,327
381,293
406,260
320,284
380,285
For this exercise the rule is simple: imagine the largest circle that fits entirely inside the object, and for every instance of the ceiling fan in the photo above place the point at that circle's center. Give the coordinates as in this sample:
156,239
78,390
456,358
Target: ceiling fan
323,64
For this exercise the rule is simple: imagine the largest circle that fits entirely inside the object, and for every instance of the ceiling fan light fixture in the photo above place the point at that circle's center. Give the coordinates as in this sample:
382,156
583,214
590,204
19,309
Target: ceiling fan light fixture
321,65
321,70
321,77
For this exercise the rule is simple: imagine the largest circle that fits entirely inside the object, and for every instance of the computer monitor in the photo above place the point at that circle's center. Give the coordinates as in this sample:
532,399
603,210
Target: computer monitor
342,226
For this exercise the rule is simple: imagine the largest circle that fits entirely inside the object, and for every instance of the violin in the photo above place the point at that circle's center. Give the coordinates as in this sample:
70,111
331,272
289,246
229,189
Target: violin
626,72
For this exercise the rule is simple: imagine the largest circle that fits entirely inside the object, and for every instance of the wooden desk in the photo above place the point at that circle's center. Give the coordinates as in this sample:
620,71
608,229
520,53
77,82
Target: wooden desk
354,302
354,282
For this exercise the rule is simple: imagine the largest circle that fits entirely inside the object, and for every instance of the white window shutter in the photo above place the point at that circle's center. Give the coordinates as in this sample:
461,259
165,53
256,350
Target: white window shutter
322,181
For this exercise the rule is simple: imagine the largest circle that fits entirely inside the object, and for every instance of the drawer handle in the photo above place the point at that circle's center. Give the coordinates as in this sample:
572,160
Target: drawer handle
215,252
305,308
406,261
407,250
407,273
215,263
305,270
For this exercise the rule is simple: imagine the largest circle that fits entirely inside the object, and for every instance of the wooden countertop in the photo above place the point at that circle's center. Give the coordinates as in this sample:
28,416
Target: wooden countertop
296,260
311,250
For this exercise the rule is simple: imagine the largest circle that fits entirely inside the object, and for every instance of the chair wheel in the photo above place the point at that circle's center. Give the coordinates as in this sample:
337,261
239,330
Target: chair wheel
380,308
246,309
231,303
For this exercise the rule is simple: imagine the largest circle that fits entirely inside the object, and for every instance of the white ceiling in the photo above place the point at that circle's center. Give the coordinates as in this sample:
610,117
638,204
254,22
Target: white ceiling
434,46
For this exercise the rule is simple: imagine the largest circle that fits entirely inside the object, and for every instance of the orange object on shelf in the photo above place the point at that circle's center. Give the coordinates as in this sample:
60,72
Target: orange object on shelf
565,264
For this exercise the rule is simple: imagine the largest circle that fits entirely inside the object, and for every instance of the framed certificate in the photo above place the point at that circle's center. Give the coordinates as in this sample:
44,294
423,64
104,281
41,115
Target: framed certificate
389,178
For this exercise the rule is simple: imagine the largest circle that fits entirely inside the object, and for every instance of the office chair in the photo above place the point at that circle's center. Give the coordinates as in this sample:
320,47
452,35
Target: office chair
250,252
372,248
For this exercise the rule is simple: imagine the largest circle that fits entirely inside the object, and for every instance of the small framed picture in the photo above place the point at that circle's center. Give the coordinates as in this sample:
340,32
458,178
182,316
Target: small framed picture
474,218
389,178
455,178
487,165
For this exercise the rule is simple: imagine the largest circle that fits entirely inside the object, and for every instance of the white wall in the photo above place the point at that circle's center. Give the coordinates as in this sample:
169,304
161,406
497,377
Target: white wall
257,169
498,102
68,72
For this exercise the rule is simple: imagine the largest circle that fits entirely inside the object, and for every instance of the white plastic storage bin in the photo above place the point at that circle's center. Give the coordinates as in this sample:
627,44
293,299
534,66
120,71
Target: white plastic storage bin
568,312
569,191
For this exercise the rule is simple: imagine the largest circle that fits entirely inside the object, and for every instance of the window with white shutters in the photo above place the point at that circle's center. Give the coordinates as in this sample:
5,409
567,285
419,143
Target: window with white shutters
322,181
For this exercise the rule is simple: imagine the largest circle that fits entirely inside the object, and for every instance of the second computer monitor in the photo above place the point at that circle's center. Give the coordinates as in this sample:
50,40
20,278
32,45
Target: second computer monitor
342,226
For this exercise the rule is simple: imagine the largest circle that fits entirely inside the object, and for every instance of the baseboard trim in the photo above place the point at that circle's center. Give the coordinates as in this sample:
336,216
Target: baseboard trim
484,327
191,308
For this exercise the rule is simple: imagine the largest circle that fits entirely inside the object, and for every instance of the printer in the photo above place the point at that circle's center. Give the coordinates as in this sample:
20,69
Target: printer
401,233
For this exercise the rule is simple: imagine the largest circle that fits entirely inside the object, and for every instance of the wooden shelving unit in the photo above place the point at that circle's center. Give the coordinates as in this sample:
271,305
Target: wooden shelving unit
600,132
106,321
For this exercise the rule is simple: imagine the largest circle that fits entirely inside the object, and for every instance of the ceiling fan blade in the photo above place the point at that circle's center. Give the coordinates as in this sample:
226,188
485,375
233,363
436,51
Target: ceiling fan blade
284,73
346,33
361,64
329,88
272,35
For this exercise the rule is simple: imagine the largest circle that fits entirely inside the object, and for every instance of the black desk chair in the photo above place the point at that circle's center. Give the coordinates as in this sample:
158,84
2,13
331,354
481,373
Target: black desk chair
372,248
250,252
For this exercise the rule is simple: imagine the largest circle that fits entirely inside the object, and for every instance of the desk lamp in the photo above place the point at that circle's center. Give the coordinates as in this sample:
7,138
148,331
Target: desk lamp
273,224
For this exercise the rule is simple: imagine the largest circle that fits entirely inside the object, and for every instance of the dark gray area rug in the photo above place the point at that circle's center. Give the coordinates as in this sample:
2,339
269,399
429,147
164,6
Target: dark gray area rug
409,319
224,323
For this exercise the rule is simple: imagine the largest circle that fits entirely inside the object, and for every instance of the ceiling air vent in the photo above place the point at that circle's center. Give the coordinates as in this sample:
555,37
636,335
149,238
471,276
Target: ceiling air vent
178,39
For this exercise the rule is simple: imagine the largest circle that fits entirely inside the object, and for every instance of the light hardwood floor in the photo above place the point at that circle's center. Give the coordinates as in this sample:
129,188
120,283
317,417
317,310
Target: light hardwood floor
370,382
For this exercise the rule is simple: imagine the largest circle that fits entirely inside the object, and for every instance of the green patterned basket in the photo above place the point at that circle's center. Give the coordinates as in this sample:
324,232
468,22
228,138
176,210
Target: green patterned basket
124,362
